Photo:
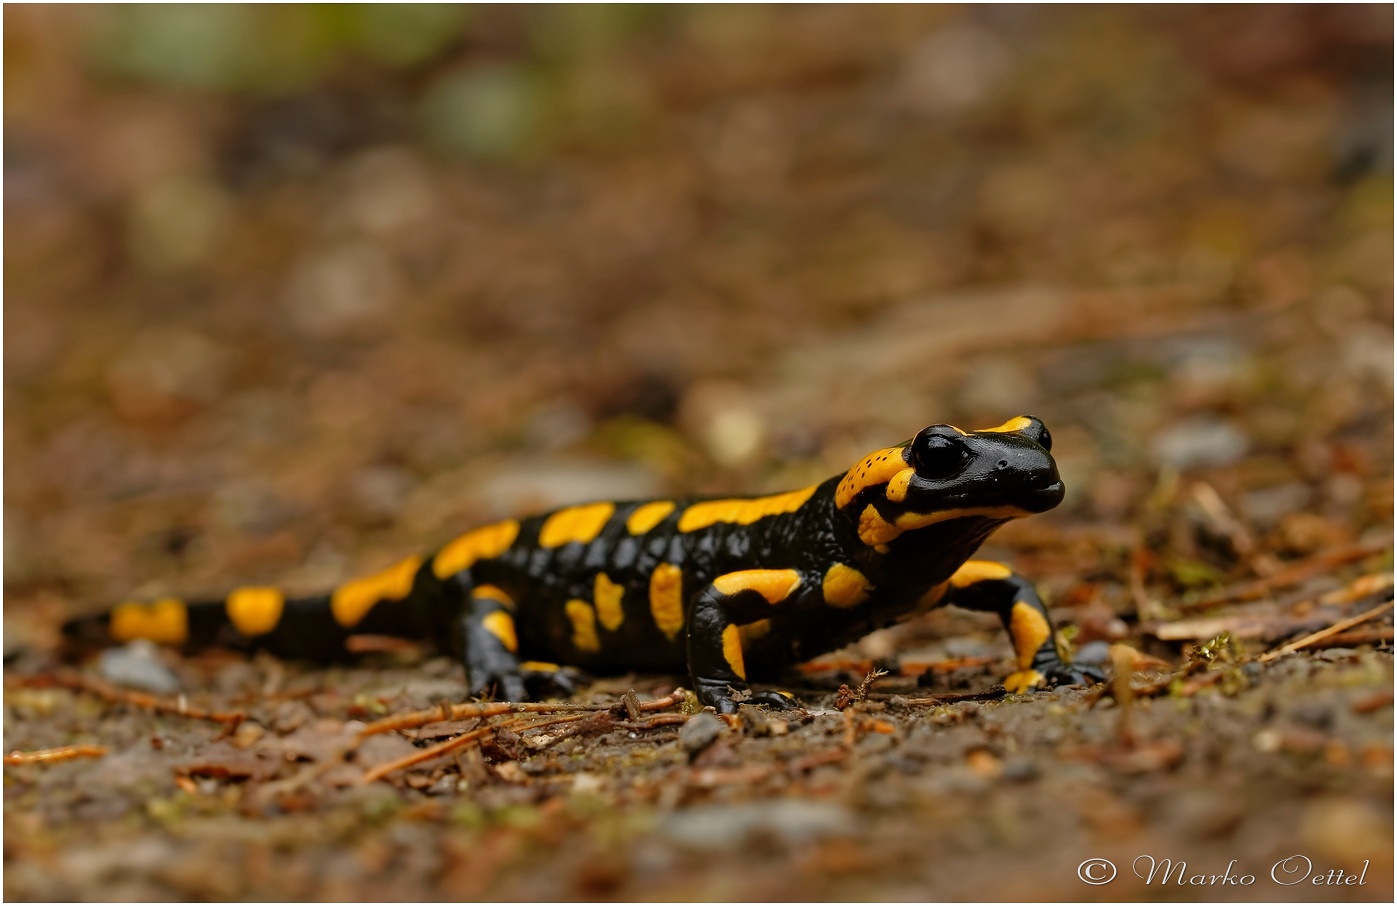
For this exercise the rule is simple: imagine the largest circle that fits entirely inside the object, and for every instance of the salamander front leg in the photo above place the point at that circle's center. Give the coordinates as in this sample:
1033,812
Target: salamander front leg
991,586
716,662
489,645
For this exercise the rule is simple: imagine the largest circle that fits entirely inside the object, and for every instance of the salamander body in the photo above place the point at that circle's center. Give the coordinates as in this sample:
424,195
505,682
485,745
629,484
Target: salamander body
729,589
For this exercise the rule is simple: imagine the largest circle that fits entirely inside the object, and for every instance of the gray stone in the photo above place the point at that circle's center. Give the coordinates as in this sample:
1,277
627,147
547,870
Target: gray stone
699,732
792,822
136,665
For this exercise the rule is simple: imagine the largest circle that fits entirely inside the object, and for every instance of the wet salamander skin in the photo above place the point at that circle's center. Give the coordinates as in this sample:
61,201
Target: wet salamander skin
730,589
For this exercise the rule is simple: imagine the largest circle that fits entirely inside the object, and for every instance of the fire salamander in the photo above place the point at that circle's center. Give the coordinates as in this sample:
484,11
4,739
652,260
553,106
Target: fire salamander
731,589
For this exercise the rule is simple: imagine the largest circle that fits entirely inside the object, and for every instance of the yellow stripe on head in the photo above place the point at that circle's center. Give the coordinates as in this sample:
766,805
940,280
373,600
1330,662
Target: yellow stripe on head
483,543
255,611
352,601
899,484
1018,423
742,511
578,523
877,532
876,468
165,621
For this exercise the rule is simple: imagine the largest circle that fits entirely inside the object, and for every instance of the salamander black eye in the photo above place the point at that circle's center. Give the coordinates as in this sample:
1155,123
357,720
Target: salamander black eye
1045,440
936,455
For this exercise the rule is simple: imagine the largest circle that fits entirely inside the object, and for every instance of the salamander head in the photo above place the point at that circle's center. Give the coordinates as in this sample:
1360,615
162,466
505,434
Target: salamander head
945,473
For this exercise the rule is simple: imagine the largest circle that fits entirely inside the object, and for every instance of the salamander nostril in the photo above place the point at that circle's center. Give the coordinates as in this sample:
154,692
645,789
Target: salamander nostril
1003,464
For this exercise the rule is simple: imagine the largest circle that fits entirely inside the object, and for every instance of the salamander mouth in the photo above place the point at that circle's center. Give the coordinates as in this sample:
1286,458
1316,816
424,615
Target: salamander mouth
1030,500
1045,498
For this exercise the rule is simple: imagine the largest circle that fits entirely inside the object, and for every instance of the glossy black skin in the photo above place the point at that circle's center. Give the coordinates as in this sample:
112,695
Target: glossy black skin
1010,471
999,470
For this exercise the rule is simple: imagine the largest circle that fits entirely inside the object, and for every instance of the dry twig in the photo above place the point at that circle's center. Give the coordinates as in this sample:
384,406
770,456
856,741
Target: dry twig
1291,574
1327,632
447,712
427,754
178,706
582,722
990,694
49,756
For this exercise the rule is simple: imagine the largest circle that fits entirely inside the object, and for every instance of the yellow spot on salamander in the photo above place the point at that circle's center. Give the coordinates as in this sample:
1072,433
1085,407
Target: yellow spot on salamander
972,571
254,611
776,585
1014,424
353,600
667,598
874,469
877,532
753,631
930,598
493,593
500,625
898,484
576,523
165,621
607,596
484,543
1023,680
539,667
1029,629
845,586
647,516
584,626
874,530
742,511
732,650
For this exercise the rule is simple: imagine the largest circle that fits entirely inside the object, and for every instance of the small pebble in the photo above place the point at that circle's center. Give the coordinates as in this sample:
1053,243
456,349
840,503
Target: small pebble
793,822
1199,441
1316,714
1020,770
699,732
136,665
1094,653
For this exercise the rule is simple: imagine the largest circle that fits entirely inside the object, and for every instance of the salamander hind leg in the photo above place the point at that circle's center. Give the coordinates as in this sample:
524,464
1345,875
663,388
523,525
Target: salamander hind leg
489,646
990,586
716,662
544,679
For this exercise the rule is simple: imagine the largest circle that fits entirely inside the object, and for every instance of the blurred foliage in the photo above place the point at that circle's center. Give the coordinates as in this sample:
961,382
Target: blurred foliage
271,49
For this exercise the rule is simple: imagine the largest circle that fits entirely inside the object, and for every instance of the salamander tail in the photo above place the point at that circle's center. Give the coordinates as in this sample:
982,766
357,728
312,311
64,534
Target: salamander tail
249,618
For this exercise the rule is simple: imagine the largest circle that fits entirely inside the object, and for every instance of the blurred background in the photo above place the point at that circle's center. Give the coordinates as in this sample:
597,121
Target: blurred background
293,290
